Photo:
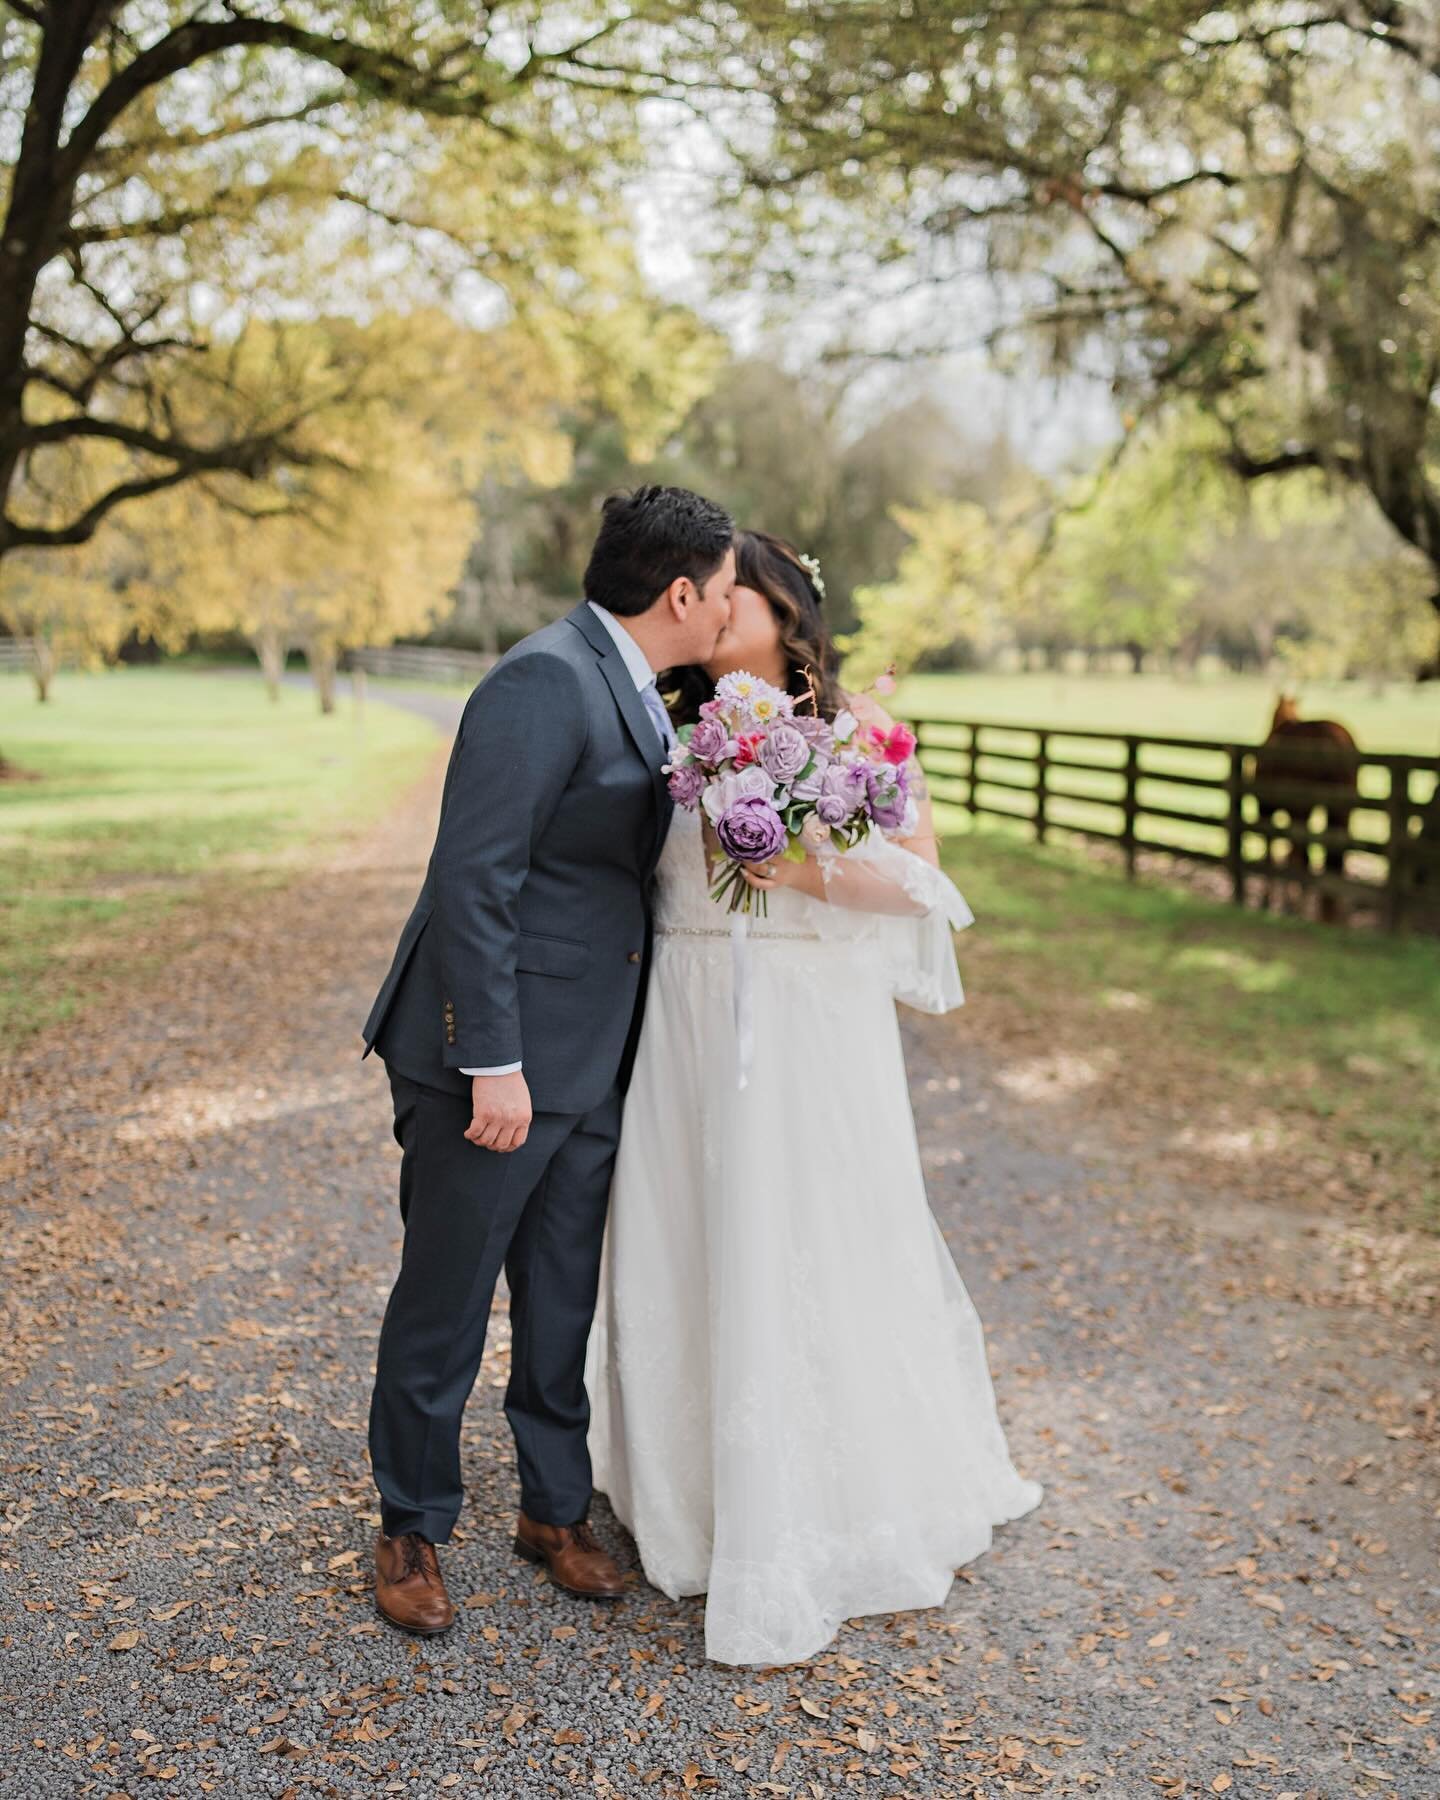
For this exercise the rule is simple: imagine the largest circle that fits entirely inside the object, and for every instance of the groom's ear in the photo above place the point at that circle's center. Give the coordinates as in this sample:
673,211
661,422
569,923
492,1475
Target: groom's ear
680,591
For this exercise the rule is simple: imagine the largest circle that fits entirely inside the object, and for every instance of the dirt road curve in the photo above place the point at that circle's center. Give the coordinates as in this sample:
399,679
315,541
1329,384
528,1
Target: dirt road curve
1230,1588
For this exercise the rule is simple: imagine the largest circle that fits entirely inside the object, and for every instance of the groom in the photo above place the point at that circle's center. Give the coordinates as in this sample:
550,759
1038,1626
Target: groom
508,1023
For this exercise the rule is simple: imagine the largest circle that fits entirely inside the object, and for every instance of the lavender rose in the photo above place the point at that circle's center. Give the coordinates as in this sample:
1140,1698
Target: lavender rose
687,783
708,740
784,753
889,794
745,784
812,785
842,793
751,831
815,730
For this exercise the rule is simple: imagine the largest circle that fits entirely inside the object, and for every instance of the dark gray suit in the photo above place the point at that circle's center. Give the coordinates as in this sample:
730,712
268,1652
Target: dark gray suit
529,942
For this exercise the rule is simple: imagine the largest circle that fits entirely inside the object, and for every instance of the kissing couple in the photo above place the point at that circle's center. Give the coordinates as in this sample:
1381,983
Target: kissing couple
685,1133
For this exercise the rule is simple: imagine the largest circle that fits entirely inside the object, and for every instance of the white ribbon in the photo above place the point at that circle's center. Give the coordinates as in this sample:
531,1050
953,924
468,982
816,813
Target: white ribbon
743,997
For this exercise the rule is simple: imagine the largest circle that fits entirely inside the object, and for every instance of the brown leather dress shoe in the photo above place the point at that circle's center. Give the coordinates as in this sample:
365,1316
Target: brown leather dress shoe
576,1559
409,1588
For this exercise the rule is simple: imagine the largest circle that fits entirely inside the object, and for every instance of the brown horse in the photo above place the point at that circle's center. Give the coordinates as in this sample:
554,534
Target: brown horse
1320,753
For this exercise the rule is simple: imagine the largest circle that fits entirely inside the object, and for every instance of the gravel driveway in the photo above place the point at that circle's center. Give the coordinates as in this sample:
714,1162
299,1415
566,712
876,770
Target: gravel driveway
1229,1588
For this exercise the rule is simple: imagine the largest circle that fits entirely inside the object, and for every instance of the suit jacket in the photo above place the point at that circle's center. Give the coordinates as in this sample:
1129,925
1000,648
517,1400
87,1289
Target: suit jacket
530,939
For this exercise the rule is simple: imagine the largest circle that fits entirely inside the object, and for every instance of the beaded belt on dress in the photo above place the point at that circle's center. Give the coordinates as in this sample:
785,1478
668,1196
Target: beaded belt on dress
723,931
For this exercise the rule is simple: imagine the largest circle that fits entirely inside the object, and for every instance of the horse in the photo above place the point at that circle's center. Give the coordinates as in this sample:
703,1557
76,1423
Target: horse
1320,753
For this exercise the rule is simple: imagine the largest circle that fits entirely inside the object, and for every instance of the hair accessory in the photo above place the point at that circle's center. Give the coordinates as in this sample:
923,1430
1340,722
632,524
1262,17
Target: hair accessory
811,566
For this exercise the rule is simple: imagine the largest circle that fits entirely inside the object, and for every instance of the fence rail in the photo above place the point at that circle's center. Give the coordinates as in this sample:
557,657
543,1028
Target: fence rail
421,662
1208,801
15,653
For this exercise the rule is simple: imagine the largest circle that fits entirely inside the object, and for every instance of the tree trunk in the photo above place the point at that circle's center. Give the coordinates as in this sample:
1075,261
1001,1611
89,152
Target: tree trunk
1136,653
1430,670
272,651
40,203
42,665
322,659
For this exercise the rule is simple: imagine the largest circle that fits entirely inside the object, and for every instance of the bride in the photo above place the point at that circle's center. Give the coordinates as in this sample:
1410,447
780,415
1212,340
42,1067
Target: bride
791,1406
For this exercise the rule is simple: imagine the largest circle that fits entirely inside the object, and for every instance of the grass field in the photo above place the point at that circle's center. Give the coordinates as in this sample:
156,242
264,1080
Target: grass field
1332,1037
149,780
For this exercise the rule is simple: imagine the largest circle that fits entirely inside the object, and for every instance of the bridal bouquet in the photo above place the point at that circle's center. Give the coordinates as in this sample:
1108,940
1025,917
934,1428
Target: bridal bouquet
776,782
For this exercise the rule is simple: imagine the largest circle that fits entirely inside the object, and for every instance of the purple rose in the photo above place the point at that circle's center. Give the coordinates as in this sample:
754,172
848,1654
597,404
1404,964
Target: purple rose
889,794
751,831
842,792
746,784
815,730
784,753
708,740
687,783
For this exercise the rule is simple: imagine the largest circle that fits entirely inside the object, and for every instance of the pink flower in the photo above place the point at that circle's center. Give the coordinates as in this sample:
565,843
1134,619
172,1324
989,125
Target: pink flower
896,745
749,749
687,783
885,684
708,741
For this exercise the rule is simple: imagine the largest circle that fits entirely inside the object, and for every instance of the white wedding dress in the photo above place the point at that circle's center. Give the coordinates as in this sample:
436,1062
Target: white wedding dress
792,1410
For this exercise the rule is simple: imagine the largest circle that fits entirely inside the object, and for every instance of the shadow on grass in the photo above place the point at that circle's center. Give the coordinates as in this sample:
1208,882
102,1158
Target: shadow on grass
1336,1030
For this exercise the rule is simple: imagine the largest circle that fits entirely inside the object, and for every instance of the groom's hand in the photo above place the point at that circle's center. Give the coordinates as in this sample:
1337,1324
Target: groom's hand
500,1108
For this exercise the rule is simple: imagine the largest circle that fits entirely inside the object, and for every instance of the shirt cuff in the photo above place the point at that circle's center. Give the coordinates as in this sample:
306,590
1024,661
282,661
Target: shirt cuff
504,1069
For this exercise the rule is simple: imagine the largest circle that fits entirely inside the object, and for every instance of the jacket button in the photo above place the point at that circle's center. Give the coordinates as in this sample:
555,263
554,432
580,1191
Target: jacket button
634,956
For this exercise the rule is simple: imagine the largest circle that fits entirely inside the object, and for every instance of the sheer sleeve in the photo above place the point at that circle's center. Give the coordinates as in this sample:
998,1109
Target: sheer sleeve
915,907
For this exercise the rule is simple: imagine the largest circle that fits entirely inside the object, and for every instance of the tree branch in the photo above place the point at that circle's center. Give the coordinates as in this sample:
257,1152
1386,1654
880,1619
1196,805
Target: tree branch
384,74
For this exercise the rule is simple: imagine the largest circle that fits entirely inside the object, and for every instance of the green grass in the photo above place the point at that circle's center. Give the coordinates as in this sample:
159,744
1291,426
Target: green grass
1336,1031
1399,717
151,779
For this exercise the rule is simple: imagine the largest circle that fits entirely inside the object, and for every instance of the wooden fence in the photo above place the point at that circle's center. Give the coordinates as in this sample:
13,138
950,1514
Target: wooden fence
421,662
1201,800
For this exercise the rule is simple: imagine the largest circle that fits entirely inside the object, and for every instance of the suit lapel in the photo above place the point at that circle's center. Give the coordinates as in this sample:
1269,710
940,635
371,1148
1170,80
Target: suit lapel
632,710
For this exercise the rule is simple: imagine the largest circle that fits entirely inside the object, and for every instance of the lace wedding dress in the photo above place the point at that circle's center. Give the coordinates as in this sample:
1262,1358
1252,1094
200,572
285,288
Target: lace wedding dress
791,1407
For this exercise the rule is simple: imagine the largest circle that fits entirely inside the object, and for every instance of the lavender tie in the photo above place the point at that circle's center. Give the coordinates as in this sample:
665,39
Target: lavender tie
650,694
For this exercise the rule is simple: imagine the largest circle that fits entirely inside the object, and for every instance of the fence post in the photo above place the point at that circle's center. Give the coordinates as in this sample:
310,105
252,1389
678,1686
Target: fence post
1132,773
1235,849
1397,859
974,752
1041,764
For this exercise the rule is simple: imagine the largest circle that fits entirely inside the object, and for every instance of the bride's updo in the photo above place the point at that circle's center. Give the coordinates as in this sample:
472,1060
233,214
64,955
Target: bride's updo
772,567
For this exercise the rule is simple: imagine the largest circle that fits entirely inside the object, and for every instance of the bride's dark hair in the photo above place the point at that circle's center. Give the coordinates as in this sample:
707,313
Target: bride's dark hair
812,663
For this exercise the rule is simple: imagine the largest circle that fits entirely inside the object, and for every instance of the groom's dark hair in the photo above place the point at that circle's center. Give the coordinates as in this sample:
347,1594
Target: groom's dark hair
649,538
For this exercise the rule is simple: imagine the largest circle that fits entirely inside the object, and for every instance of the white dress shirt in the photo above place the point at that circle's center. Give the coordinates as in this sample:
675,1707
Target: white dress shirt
637,665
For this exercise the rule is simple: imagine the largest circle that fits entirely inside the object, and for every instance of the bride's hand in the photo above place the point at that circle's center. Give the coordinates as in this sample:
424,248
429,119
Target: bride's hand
781,872
767,875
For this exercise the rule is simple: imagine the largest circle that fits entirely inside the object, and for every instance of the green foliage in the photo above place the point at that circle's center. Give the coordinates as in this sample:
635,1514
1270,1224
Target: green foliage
947,588
1167,553
223,177
770,444
1236,208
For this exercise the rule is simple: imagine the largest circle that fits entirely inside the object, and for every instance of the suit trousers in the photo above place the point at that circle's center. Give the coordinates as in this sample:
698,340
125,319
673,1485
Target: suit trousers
540,1211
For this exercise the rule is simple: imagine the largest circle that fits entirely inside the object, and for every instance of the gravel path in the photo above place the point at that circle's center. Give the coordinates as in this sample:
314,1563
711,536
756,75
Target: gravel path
1230,1586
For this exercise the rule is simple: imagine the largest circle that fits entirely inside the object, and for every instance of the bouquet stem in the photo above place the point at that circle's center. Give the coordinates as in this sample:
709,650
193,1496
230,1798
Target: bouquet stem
736,891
